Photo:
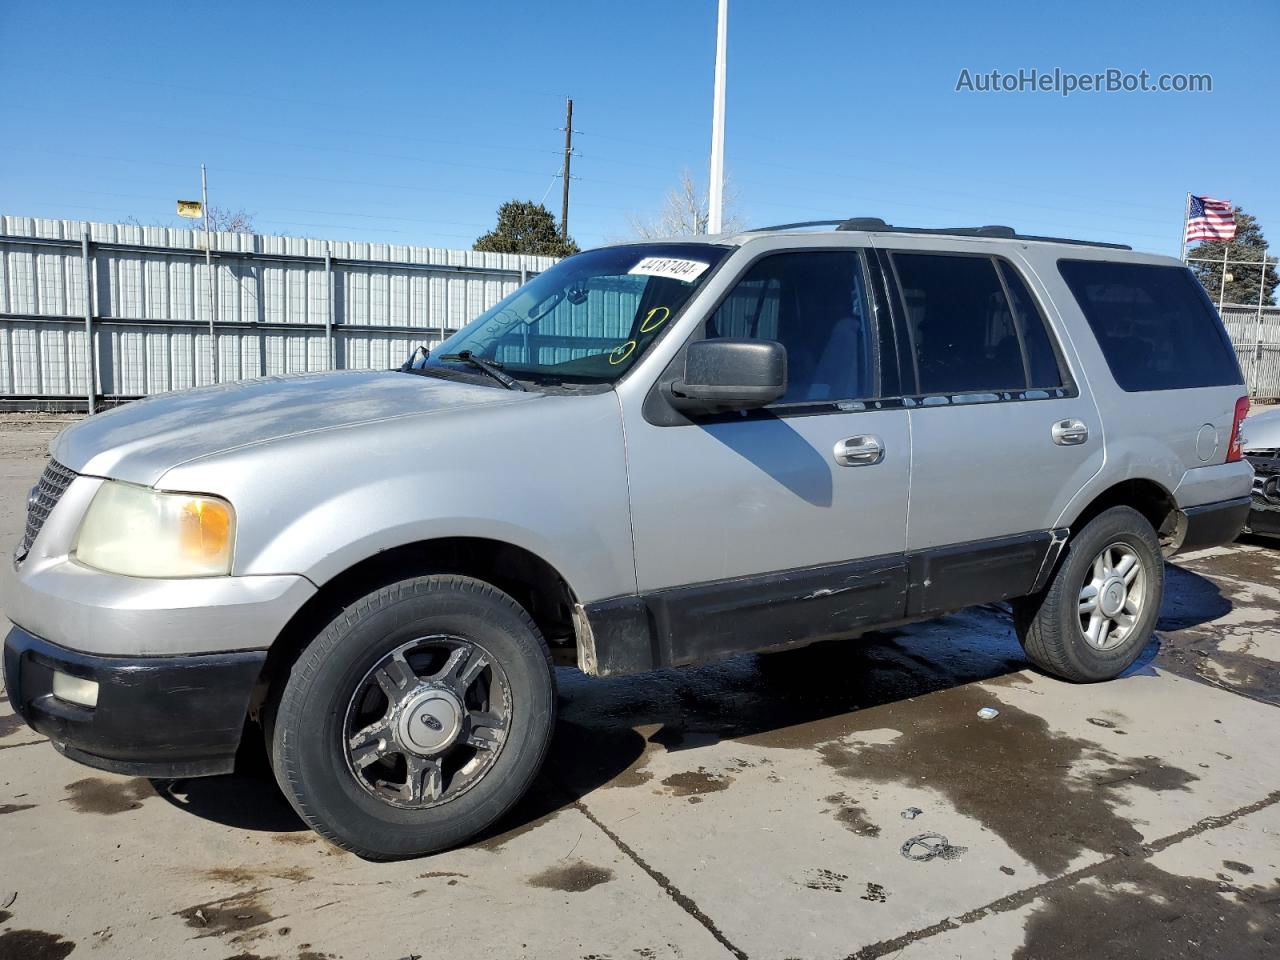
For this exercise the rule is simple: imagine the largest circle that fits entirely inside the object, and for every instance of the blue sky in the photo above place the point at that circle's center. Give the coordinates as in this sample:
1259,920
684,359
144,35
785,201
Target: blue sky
411,122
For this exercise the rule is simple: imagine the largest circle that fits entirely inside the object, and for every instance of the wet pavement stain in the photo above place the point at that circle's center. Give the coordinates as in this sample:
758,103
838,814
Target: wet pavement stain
1134,909
1196,642
300,839
875,894
10,723
248,876
4,916
230,915
825,880
574,878
1235,866
696,782
944,747
95,795
33,945
851,816
15,807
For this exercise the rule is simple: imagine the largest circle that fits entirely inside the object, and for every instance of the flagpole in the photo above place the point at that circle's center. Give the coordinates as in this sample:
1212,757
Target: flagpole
208,270
1186,212
1222,287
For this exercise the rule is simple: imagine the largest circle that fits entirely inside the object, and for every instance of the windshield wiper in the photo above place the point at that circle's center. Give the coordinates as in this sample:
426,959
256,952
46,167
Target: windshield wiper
408,367
492,367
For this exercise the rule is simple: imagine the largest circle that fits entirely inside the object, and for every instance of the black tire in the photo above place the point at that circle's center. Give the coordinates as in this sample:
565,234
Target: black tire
311,723
1050,624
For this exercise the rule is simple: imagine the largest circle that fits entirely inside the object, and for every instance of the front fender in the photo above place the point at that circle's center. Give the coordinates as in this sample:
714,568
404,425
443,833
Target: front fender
549,477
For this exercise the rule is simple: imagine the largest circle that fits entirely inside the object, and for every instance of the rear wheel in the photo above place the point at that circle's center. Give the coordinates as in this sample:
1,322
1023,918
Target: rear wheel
416,718
1100,608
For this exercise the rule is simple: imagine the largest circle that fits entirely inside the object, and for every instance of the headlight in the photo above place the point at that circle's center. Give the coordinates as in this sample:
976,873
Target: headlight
140,532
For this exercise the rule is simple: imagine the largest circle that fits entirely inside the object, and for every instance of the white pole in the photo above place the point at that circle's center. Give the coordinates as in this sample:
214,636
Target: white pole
1257,329
715,189
1186,212
208,269
1222,287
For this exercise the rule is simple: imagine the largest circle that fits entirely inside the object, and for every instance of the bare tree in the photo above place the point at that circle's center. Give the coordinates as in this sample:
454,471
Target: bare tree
226,220
685,213
221,220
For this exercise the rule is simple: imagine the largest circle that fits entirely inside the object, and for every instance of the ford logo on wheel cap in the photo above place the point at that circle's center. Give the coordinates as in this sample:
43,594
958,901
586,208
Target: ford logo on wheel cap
431,722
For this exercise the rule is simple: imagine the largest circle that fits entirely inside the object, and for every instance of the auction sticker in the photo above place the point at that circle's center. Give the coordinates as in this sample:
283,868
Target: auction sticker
671,268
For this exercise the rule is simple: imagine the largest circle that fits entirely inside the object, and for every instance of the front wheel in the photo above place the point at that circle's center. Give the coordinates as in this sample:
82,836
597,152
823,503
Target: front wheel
1100,608
416,718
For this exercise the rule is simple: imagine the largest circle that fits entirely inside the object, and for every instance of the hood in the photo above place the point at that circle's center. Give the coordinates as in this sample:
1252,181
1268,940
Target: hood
1262,430
140,441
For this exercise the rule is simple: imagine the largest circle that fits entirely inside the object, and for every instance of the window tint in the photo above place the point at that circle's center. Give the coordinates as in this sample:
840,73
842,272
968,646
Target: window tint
815,305
960,323
1157,328
1042,361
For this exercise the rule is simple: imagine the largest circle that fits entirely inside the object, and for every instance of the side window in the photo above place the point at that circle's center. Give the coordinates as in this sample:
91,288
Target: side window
1042,362
815,305
1155,325
960,323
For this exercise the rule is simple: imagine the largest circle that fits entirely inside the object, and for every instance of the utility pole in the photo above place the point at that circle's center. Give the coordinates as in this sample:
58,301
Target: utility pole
715,188
208,269
568,155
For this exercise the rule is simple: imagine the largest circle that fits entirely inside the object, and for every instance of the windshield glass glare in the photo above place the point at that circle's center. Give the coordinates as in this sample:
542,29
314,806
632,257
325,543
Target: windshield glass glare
587,319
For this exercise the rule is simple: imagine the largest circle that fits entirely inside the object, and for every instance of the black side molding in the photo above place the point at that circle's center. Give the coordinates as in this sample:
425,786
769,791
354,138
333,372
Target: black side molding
709,621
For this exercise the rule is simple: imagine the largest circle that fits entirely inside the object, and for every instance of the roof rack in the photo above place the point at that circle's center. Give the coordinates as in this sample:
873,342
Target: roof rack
876,225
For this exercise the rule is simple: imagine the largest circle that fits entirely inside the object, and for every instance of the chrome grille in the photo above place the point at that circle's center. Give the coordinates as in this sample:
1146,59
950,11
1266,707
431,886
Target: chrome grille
44,497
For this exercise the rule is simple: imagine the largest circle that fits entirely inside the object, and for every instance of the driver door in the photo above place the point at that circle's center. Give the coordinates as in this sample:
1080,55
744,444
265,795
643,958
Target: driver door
788,523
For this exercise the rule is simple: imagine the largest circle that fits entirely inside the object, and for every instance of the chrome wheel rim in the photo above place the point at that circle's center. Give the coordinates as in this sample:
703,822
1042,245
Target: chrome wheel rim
427,722
1112,597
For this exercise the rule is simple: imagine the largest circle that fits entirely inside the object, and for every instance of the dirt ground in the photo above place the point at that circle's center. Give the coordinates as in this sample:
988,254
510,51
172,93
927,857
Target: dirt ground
765,807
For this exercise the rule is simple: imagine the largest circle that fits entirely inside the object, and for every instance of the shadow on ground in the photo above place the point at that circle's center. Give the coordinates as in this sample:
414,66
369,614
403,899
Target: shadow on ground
796,697
598,737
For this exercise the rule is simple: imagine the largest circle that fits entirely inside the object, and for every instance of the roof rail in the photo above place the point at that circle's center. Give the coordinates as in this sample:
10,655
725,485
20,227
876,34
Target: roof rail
876,225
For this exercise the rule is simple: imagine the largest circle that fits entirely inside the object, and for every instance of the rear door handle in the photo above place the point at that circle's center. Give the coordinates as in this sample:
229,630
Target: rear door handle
861,451
1070,433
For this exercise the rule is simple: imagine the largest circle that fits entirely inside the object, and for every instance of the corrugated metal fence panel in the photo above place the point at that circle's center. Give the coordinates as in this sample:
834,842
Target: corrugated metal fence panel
151,304
1256,335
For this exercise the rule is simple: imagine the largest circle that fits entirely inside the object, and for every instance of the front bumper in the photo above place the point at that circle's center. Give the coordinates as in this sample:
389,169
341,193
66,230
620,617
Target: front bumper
1263,522
1264,518
162,717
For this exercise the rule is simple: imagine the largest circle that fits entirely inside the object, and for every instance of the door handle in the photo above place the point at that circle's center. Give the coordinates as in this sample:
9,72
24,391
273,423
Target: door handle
859,451
1069,433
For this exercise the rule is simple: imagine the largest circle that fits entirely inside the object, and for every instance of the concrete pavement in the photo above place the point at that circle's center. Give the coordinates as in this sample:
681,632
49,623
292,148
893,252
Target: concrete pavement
764,807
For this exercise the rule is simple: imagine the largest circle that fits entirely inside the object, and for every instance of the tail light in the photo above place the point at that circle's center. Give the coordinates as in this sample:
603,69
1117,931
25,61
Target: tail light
1235,449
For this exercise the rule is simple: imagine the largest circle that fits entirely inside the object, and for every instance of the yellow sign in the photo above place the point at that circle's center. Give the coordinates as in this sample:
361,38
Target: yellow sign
190,209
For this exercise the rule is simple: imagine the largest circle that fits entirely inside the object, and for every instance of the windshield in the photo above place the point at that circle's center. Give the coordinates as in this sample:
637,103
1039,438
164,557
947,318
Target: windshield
587,319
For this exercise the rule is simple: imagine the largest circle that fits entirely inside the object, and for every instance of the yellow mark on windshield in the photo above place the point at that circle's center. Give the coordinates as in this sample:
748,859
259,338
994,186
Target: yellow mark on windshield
621,352
654,319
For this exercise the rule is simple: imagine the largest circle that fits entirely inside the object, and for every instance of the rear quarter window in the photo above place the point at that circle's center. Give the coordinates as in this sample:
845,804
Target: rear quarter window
1155,325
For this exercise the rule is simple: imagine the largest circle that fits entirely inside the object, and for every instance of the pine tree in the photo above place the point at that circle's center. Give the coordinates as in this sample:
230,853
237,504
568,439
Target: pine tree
526,227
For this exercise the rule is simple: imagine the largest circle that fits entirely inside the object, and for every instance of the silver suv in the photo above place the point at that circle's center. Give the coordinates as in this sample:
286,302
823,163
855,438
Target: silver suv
650,455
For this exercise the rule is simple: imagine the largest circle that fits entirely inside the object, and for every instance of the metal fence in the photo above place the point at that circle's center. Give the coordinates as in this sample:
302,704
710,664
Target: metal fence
278,305
1256,334
282,305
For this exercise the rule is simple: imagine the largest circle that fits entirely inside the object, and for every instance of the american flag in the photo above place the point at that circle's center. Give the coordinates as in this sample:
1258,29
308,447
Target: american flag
1209,219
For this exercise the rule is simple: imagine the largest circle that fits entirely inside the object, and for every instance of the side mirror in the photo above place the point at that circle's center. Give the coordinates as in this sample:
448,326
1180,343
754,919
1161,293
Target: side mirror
723,375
